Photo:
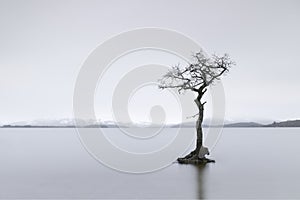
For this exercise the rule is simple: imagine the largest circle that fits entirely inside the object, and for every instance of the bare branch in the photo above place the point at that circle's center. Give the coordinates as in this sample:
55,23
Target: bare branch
193,116
198,75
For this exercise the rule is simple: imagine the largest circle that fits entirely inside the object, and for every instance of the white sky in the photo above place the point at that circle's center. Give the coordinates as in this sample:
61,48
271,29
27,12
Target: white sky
43,44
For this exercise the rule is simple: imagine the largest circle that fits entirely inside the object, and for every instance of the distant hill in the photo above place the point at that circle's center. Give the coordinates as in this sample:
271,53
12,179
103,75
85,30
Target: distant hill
244,124
110,124
186,125
289,123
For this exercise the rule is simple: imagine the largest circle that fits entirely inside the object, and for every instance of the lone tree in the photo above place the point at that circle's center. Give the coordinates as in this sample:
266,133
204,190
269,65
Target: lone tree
196,77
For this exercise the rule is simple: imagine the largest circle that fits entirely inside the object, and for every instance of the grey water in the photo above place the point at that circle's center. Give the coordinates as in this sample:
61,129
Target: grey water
52,163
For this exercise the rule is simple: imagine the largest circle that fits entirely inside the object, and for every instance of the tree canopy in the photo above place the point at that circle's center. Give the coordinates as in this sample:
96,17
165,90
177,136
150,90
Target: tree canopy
198,75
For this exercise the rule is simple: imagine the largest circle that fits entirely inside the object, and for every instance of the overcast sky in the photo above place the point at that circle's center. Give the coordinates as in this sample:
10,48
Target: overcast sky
44,43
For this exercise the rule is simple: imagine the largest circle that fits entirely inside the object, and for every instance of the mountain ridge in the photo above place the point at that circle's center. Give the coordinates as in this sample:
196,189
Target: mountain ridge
110,124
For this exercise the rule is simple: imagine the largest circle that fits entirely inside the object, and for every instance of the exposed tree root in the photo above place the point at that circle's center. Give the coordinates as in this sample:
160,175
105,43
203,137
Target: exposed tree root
193,160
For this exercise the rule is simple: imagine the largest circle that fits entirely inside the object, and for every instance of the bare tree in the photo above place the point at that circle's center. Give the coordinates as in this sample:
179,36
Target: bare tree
196,77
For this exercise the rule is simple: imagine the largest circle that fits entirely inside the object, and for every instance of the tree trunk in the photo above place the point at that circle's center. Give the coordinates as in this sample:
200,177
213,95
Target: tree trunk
193,156
199,126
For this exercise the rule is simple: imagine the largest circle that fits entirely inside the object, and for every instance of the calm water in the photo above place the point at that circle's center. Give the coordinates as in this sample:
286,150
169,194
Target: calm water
51,163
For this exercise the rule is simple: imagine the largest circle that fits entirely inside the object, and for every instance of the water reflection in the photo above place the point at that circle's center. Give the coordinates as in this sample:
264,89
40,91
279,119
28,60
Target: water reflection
200,172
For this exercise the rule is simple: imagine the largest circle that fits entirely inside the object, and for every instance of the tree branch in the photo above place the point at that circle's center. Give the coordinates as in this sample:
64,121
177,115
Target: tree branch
198,75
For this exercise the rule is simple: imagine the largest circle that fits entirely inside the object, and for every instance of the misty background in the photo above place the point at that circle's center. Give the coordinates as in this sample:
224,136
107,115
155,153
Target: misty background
44,43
